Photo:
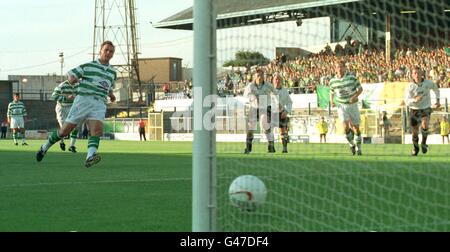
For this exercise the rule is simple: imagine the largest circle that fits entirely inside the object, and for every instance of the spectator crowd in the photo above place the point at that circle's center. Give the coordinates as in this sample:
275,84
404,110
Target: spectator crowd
369,65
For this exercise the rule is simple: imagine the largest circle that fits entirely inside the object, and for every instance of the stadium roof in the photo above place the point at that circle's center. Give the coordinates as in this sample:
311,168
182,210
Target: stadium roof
246,10
233,13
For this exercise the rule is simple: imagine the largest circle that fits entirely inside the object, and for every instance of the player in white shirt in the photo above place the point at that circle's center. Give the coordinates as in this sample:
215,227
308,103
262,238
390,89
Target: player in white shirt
417,97
259,94
284,102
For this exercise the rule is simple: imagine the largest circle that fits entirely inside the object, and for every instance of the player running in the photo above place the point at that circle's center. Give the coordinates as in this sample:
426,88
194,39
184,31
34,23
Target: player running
344,90
285,108
259,93
96,82
417,97
64,94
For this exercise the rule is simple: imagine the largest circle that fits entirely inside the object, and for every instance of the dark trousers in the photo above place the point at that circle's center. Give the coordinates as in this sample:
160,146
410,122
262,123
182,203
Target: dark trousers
142,134
4,129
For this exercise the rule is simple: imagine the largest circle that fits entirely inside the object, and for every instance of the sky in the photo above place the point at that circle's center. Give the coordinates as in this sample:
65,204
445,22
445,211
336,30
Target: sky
34,32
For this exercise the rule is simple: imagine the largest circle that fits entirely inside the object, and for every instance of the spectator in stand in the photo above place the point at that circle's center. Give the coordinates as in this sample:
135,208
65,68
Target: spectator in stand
283,58
166,89
368,64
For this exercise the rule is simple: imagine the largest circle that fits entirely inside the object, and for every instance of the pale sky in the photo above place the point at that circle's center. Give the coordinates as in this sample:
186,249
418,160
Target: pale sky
34,32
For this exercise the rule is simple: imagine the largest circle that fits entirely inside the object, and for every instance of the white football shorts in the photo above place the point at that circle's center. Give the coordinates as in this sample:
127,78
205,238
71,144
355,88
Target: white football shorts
86,107
348,112
17,122
61,113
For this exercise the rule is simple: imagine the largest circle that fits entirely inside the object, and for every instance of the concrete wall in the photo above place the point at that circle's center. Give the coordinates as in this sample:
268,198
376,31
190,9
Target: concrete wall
34,83
160,69
41,115
5,98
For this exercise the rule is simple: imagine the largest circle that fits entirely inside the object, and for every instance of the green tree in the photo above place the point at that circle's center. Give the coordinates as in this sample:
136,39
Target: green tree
243,58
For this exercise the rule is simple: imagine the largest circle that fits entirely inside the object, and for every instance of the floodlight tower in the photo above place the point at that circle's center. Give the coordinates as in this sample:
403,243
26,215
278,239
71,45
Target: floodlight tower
115,20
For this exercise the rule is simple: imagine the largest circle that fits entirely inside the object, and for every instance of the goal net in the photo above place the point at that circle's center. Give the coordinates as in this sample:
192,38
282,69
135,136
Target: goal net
319,185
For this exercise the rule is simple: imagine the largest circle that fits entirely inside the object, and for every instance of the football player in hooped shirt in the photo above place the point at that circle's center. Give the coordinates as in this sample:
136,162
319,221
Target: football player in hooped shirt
344,90
96,82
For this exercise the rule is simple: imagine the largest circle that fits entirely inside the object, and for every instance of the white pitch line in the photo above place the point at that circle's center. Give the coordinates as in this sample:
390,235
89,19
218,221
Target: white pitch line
95,182
304,176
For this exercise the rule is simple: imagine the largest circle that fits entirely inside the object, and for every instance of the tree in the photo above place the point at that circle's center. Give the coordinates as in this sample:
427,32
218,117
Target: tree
243,58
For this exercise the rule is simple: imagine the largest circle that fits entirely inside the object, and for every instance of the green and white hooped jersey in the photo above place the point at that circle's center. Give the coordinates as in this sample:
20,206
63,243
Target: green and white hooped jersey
344,88
61,92
16,109
95,79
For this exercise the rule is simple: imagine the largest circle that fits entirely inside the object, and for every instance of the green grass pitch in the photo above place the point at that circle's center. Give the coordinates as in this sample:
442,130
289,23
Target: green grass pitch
146,186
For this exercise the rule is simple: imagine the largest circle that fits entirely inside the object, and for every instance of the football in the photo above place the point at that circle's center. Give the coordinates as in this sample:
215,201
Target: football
247,192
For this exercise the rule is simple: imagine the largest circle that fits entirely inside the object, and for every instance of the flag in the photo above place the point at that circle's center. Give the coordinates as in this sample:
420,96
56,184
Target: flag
365,104
323,96
447,51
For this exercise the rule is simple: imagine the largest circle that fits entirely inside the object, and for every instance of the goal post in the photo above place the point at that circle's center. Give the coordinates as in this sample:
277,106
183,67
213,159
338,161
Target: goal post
204,150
